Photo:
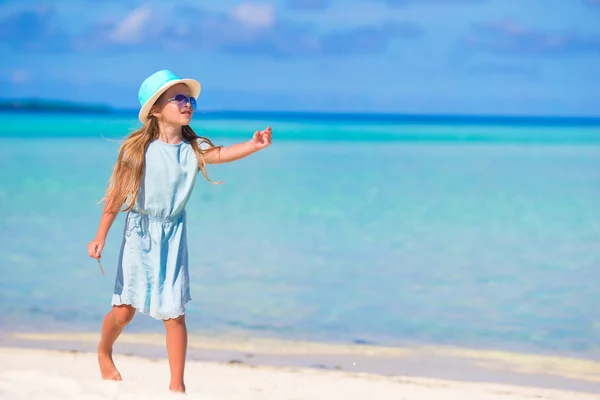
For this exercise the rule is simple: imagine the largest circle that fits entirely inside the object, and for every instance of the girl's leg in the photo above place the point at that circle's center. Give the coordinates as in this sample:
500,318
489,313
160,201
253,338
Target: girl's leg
176,349
112,326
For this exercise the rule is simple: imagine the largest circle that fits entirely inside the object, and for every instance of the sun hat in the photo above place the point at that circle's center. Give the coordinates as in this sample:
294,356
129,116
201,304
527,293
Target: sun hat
156,84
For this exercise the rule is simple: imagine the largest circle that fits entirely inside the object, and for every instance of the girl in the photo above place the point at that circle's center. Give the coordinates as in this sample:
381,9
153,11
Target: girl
152,181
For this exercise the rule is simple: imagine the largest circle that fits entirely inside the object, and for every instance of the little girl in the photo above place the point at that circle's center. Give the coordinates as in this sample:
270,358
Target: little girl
152,181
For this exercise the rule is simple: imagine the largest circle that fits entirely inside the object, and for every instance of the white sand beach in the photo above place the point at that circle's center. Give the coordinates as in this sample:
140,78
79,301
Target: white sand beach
70,372
45,374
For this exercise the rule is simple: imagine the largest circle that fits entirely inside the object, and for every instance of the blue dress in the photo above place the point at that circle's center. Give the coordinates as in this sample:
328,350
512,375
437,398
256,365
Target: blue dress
152,273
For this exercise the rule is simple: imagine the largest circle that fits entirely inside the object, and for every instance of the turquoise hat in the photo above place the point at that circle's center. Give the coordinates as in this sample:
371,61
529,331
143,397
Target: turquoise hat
156,84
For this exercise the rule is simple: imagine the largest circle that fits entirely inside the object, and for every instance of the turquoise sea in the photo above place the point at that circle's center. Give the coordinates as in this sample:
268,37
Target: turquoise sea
475,233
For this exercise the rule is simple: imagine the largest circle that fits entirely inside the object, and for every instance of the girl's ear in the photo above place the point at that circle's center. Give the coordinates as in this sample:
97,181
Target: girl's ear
154,111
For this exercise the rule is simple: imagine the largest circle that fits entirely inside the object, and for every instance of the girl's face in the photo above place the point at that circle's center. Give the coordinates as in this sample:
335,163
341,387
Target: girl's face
175,106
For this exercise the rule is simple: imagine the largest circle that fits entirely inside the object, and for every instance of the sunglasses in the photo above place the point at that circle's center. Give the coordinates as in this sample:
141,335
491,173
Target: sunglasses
181,100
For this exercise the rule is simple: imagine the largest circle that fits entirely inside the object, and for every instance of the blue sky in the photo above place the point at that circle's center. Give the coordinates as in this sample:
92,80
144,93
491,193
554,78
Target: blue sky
401,56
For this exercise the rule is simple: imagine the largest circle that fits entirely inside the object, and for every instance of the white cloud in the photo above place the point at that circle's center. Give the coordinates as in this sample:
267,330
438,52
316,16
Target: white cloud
255,14
131,29
19,76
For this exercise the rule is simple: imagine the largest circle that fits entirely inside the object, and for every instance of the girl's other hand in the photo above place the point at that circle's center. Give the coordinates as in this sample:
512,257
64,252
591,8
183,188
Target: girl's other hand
262,139
95,248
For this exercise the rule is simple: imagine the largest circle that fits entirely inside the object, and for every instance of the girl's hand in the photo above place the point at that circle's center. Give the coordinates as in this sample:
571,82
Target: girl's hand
262,139
95,248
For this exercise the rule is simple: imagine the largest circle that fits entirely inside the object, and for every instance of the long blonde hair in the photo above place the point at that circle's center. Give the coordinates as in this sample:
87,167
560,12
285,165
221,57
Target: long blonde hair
126,178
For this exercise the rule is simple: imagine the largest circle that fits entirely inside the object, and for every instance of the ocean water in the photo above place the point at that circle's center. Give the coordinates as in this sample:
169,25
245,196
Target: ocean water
474,235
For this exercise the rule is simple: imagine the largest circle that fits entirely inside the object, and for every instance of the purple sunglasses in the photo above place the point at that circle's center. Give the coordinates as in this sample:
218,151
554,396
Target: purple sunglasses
181,100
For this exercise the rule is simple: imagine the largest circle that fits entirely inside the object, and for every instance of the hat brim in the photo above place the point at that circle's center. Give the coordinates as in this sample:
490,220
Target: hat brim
192,84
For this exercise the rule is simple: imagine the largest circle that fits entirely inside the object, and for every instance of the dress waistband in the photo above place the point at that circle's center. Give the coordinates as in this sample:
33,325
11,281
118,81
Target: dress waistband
143,215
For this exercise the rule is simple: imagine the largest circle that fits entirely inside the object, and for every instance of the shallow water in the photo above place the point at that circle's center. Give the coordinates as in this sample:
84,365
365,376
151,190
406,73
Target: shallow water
476,236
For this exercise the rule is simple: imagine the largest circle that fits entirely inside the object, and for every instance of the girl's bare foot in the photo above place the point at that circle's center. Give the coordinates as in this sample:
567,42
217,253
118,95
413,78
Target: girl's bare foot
177,388
108,370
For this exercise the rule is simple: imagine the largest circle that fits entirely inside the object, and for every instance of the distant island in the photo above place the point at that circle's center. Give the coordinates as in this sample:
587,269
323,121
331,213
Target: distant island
35,105
41,105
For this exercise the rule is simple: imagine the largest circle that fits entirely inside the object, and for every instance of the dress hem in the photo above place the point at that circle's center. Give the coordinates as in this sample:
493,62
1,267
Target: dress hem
159,316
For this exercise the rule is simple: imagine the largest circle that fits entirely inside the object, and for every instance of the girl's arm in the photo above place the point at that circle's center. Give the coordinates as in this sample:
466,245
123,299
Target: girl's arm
112,207
106,221
114,201
259,141
108,217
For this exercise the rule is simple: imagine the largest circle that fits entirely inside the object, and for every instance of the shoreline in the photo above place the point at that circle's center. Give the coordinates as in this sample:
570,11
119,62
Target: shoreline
458,365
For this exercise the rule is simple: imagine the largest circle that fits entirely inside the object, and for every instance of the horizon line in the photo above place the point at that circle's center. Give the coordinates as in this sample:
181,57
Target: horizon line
62,106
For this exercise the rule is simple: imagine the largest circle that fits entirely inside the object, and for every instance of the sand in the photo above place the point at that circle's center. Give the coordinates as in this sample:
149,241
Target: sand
58,374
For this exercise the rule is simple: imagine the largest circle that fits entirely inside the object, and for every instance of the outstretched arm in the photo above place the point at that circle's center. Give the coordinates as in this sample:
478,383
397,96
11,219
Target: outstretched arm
259,141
